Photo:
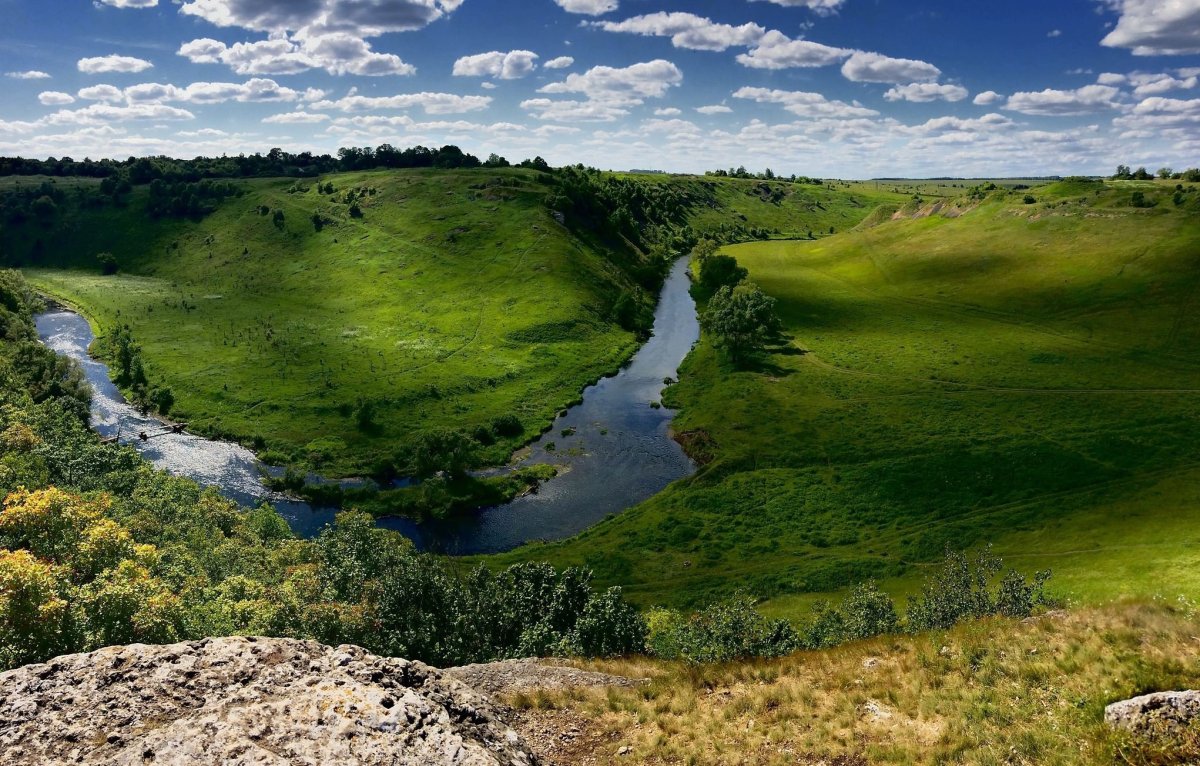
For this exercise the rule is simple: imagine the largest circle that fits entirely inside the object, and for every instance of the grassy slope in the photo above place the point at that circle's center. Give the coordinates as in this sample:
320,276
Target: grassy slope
1024,374
997,692
446,304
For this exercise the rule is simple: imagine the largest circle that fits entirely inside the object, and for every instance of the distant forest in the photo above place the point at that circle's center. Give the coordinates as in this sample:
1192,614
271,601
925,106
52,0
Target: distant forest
273,164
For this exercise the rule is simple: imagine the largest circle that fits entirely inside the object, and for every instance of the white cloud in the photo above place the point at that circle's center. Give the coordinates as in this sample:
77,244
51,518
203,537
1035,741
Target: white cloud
130,3
623,86
337,53
923,92
360,18
819,7
714,109
1156,27
96,114
1111,78
987,98
1054,33
296,118
588,7
573,111
31,74
562,62
55,98
804,104
875,67
101,93
432,103
1064,103
668,111
114,63
506,66
687,30
778,51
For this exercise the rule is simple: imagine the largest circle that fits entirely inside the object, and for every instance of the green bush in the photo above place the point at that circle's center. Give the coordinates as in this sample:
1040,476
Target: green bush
725,631
962,590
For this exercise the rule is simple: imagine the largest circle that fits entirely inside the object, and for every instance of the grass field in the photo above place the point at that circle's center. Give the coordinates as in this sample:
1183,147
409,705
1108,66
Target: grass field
990,693
454,299
1025,374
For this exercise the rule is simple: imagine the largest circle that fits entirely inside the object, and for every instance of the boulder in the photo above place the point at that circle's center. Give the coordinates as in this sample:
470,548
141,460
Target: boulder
1160,711
242,701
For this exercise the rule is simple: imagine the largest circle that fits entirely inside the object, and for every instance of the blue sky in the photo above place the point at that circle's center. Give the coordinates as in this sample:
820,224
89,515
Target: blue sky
847,88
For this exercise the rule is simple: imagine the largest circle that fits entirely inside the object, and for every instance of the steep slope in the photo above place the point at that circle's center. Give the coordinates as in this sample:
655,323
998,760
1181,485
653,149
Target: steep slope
1025,374
434,299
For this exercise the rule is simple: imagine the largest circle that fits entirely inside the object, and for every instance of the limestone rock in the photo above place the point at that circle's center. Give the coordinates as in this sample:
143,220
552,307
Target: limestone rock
1172,710
243,702
508,676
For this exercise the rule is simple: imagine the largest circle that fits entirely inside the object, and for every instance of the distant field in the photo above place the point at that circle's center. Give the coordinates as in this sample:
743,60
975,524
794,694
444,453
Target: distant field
1025,374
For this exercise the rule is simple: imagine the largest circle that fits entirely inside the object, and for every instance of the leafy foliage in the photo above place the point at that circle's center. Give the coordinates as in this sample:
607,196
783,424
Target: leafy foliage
741,319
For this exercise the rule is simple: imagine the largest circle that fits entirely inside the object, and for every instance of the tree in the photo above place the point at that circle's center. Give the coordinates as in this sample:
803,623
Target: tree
740,319
108,263
443,450
1165,172
719,271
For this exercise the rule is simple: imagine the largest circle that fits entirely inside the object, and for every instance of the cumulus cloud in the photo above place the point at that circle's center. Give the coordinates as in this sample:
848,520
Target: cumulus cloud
55,98
803,103
687,30
311,34
776,50
987,98
573,110
622,86
101,93
562,62
1156,27
130,3
431,103
1065,103
875,67
588,7
337,53
296,118
114,63
506,66
923,92
819,7
714,109
31,74
667,111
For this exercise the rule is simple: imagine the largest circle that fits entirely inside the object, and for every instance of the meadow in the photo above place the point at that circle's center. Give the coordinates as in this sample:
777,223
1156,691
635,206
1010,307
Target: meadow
973,369
448,300
990,693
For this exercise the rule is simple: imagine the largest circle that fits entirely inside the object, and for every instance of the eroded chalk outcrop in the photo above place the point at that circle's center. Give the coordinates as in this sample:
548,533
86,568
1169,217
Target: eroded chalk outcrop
234,701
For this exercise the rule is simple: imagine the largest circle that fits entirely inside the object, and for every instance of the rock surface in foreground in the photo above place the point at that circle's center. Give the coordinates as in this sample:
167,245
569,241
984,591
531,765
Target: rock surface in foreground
242,701
509,676
1169,710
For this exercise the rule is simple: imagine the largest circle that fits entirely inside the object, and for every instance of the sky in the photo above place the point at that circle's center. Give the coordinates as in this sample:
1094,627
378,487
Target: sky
828,88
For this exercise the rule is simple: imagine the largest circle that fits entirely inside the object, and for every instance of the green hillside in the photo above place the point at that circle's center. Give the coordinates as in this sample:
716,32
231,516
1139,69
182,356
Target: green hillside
427,299
979,369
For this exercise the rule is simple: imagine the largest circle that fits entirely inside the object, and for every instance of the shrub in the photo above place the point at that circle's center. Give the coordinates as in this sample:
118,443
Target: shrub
108,263
507,426
867,612
961,590
729,630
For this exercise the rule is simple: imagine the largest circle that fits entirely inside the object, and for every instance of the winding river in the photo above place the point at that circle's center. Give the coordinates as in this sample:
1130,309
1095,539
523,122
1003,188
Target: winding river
617,449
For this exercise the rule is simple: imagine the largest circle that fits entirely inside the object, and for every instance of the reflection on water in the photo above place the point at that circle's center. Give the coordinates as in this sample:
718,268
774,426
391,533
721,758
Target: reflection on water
618,450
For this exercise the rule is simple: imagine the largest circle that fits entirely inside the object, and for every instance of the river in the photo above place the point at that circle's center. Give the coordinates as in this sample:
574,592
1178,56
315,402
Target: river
618,451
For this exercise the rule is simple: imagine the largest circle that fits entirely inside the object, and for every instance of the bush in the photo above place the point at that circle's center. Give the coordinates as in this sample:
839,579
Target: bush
1030,199
507,426
961,590
867,612
729,630
108,263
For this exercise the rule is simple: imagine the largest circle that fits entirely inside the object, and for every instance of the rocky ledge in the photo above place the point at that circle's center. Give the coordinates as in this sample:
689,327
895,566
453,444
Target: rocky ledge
242,701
